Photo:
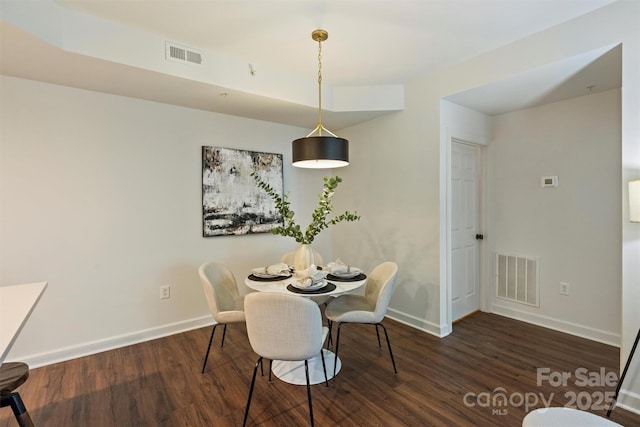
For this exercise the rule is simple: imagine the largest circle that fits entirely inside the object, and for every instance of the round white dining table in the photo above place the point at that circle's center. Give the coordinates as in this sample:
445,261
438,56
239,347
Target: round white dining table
293,372
280,286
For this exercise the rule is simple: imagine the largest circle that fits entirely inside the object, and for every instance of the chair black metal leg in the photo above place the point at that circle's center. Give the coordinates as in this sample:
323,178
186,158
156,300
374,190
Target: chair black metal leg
224,332
270,363
388,345
378,335
253,382
213,331
261,370
19,410
324,368
306,372
330,340
335,359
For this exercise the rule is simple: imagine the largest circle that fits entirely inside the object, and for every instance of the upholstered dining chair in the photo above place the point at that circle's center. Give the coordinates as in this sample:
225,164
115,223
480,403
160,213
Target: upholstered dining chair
561,416
284,327
224,300
369,308
287,258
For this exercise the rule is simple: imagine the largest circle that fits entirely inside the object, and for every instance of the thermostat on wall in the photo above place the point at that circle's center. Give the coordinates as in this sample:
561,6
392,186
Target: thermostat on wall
549,181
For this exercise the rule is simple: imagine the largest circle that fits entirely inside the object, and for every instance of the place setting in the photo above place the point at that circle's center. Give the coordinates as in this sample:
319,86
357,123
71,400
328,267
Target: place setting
340,272
310,281
271,273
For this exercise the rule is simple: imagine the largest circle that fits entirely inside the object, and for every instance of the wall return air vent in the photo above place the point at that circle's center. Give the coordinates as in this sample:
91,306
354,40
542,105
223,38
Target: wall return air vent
179,53
517,279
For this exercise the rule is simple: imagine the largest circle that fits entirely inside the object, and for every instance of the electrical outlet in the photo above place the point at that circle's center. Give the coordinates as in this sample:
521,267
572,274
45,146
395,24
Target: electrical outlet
165,292
564,288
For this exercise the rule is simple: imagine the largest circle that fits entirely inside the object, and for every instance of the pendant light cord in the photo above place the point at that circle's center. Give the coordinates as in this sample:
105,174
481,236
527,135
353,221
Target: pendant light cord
320,88
319,36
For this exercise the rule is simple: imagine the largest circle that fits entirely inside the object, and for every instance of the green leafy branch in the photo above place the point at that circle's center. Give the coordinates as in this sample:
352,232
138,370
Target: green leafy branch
319,216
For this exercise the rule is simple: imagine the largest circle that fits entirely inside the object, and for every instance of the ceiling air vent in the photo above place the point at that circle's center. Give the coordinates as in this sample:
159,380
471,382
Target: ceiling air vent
178,53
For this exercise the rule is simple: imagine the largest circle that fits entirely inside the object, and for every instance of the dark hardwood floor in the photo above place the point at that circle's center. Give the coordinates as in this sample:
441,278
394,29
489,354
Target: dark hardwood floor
454,381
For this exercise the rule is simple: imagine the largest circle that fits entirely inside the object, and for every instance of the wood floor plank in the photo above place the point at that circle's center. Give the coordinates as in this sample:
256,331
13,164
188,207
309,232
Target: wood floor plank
440,382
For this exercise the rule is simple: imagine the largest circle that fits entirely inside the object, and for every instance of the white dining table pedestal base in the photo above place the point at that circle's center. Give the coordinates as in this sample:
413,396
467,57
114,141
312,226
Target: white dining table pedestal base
293,372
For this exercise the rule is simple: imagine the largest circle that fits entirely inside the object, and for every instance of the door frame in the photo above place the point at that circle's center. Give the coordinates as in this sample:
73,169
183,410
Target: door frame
446,310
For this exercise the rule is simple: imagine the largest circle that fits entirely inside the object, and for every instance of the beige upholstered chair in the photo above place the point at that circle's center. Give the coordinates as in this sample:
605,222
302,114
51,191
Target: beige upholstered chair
368,308
287,258
284,327
225,303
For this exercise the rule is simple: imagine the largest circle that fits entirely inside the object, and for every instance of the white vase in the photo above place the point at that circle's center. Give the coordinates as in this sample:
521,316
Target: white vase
303,257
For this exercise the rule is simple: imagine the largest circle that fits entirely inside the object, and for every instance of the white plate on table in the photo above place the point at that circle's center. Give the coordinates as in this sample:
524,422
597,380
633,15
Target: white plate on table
353,273
314,286
259,272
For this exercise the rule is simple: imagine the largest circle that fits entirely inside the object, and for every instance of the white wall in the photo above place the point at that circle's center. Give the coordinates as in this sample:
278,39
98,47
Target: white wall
396,163
394,174
464,124
573,229
101,197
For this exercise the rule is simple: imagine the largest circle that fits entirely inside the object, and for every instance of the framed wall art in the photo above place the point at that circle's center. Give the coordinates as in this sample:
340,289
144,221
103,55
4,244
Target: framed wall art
232,203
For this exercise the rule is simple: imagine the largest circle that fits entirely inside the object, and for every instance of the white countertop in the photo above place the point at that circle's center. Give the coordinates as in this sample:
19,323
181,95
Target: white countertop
16,304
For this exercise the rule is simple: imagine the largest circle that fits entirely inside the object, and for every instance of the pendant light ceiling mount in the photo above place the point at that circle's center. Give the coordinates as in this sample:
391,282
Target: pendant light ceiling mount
320,151
319,35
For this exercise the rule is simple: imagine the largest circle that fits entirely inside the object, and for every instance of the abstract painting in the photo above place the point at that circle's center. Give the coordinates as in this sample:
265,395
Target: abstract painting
232,203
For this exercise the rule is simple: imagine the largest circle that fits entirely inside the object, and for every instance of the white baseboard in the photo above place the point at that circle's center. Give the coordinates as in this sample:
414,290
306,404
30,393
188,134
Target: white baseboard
93,347
417,323
629,400
604,337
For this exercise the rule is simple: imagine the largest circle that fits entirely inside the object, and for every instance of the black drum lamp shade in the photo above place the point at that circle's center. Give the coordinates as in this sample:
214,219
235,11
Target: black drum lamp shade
320,152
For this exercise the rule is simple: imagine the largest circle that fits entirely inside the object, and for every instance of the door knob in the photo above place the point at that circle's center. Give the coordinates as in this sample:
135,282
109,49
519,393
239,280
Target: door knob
479,237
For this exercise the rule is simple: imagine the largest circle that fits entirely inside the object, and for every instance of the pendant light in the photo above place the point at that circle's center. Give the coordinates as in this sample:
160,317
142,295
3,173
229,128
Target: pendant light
318,151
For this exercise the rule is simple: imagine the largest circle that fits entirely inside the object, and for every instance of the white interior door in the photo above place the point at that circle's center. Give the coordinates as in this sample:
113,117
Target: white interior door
465,215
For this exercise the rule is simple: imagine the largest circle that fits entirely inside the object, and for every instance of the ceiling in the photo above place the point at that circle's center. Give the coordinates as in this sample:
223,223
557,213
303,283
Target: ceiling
373,46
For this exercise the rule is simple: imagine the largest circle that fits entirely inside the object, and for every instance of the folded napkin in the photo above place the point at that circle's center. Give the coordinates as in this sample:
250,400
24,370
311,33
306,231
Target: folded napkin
309,277
274,270
338,267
